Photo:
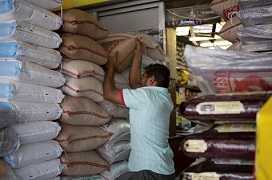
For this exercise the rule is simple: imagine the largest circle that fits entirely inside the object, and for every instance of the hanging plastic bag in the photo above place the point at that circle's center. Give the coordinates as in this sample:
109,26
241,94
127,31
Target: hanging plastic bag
115,171
29,33
46,4
9,141
26,52
34,154
13,90
12,69
42,171
36,131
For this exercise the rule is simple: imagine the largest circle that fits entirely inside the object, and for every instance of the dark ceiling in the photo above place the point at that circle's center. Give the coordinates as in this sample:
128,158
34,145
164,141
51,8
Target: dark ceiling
184,3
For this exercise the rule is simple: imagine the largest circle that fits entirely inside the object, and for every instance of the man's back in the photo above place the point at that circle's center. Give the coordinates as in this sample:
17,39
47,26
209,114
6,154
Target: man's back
150,109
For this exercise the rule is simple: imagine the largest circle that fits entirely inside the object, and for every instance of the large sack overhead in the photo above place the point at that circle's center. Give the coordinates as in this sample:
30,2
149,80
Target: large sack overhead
84,48
46,4
88,87
83,164
80,22
225,8
82,111
81,69
82,138
230,30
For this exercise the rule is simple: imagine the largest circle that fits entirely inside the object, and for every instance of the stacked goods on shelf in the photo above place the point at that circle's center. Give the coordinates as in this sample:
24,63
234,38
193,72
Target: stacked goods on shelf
29,98
235,86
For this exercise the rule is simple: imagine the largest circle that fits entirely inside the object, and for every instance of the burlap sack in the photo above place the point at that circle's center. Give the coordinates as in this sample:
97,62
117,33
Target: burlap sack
82,47
83,23
82,111
82,138
81,69
230,30
225,8
83,164
88,87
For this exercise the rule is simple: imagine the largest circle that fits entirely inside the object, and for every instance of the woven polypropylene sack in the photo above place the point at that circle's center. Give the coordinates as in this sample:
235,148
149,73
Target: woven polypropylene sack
14,90
42,171
30,111
34,154
82,138
82,111
29,73
81,69
83,164
230,30
36,131
46,4
88,87
84,48
120,130
83,23
115,110
115,171
9,141
226,8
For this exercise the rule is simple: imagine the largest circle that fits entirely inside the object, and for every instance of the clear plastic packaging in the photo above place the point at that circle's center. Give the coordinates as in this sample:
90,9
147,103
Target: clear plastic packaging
36,131
34,153
115,171
26,52
9,141
12,69
46,4
14,90
43,171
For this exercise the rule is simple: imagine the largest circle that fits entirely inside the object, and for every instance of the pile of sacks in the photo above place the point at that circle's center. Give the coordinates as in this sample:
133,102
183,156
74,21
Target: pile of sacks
248,23
29,82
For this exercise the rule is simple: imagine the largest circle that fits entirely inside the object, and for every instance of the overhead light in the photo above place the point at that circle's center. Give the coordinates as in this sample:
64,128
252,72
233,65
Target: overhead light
182,31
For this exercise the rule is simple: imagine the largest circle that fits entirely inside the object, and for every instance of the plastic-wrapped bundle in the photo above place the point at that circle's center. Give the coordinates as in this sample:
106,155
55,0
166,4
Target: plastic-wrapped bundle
210,171
253,3
115,110
222,145
221,71
34,154
26,52
25,12
14,90
6,172
37,131
28,112
226,108
9,141
255,32
46,4
82,111
42,171
27,72
83,164
29,33
115,171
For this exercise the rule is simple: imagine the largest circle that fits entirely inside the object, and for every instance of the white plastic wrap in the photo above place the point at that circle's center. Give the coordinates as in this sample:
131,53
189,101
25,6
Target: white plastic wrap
115,171
34,153
26,52
253,3
29,33
9,141
115,152
27,72
43,171
30,112
120,130
37,131
13,90
116,111
46,4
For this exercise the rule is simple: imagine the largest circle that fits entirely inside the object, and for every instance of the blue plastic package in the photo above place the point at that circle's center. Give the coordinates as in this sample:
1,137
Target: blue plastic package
6,6
10,68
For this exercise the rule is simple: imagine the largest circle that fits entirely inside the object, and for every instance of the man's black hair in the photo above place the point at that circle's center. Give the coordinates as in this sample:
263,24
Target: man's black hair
160,73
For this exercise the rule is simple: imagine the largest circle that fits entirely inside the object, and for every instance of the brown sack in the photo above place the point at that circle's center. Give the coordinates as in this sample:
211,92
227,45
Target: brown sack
82,111
83,164
82,138
80,22
84,48
230,30
81,69
88,87
225,8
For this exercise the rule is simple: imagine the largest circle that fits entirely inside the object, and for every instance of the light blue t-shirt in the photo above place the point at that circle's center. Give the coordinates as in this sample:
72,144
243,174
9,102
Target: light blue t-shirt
149,113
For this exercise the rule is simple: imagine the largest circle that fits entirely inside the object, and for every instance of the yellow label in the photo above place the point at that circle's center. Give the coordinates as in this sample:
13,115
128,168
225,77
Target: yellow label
228,128
230,107
203,176
195,146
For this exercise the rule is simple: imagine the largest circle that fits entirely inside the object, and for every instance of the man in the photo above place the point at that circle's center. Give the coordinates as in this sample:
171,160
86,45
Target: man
150,105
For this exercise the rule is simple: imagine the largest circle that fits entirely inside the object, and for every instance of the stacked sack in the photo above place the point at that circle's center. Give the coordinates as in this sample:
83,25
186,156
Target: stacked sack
235,86
91,140
29,98
247,25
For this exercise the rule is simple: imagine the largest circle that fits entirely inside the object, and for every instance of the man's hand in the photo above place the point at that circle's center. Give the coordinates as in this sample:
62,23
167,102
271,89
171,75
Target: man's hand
111,64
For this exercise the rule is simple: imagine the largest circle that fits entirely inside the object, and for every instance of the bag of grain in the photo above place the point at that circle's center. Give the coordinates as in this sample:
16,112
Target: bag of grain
84,48
115,171
83,112
9,141
82,138
230,30
226,8
115,110
83,23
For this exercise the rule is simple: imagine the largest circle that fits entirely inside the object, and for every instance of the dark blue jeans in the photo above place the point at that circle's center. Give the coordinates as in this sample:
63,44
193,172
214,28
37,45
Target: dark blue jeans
145,175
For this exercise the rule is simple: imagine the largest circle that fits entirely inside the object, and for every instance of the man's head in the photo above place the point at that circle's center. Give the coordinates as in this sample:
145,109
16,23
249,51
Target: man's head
156,75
